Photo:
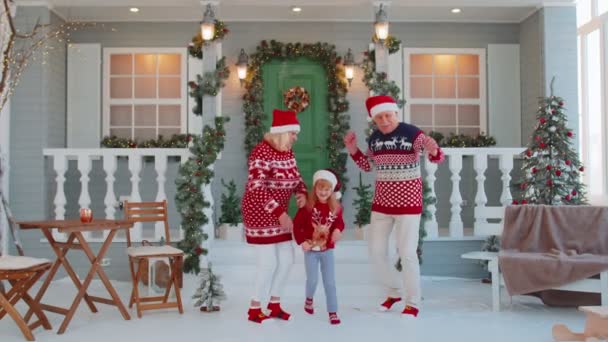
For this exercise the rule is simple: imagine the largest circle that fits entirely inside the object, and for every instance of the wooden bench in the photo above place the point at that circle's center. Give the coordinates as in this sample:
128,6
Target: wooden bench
585,285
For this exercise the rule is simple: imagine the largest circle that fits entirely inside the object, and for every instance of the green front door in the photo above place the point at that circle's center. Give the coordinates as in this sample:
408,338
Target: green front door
310,149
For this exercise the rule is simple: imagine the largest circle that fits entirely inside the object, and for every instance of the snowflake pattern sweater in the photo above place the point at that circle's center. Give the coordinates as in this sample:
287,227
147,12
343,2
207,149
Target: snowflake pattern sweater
302,223
273,178
396,156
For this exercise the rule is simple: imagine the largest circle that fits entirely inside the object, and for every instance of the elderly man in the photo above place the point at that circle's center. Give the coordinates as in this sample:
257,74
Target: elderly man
394,147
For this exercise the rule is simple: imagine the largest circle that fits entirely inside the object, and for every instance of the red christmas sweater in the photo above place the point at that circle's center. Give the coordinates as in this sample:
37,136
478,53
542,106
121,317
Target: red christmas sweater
320,214
396,156
273,178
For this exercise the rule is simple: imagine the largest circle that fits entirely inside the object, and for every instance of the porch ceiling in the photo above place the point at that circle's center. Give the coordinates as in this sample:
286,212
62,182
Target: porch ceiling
507,11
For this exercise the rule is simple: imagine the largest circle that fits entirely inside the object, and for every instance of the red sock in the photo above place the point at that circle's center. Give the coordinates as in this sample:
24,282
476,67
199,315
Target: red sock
277,312
388,303
256,315
333,318
410,310
308,306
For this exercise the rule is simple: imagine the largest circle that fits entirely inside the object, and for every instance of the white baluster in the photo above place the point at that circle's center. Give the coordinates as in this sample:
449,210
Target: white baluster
60,164
506,165
456,225
135,168
84,167
160,164
431,226
480,163
109,167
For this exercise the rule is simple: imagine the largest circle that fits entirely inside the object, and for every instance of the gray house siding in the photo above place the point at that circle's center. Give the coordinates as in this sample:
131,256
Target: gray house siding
34,109
37,121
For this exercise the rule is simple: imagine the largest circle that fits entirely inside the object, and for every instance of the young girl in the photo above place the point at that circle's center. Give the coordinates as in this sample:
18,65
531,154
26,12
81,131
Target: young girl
317,227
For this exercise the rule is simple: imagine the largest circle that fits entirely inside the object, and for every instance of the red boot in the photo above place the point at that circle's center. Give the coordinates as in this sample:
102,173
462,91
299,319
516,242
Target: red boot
333,318
308,306
388,303
410,311
277,312
256,315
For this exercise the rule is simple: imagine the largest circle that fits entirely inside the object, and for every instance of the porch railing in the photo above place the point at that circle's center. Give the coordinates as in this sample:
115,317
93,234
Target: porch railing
486,217
109,158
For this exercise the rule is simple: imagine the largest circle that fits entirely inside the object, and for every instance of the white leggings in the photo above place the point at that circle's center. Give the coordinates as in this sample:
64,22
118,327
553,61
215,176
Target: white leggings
406,227
273,263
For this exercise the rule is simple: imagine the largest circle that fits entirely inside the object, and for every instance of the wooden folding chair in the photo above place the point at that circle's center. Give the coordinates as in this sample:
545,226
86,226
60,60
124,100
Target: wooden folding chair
152,212
22,273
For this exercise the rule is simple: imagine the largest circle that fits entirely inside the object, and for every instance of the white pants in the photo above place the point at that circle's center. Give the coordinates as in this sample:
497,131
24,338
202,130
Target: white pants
406,236
273,263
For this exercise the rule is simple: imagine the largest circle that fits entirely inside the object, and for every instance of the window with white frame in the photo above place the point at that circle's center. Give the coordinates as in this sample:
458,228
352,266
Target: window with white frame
592,19
145,92
446,90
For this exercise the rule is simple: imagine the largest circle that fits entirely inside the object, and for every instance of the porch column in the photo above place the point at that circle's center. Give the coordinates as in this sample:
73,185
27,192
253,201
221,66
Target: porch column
211,108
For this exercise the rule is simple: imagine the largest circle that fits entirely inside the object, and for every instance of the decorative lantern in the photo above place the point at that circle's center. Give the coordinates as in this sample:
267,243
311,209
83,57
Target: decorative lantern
241,66
381,24
349,66
208,24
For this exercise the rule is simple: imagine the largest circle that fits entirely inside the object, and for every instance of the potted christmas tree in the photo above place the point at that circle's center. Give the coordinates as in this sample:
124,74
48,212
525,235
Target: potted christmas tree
363,207
209,292
230,227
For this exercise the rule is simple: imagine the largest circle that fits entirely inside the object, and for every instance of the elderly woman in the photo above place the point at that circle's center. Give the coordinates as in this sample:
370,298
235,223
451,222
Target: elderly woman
273,178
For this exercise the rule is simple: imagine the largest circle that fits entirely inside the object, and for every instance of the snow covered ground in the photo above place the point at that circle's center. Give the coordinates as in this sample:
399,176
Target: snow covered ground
453,310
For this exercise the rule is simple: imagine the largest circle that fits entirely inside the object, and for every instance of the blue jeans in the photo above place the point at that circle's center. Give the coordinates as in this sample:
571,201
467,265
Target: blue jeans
326,260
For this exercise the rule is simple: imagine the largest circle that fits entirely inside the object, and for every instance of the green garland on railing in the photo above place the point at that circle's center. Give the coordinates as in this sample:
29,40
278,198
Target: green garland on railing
462,140
209,84
189,199
337,104
176,141
195,48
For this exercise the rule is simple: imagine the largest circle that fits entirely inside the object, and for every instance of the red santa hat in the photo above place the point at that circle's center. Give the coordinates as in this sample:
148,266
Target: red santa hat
330,176
284,121
379,104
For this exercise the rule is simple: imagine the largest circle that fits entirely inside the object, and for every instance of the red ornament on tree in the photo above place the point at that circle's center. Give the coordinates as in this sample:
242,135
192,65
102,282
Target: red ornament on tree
569,133
549,167
523,186
514,202
573,192
198,250
549,182
558,173
581,169
534,170
542,121
568,162
542,145
529,153
567,198
524,201
561,103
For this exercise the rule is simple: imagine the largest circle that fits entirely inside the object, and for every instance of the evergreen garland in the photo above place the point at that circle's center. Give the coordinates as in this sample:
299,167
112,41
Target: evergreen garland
209,84
377,82
362,203
337,104
176,141
231,205
462,140
189,199
195,48
392,43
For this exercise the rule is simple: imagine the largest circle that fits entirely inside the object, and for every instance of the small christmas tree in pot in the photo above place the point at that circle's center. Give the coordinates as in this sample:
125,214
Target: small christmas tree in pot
363,207
209,292
231,227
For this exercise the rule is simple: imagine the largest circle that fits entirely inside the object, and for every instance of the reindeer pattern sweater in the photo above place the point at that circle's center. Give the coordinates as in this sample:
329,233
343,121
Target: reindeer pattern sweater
273,178
320,214
396,157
